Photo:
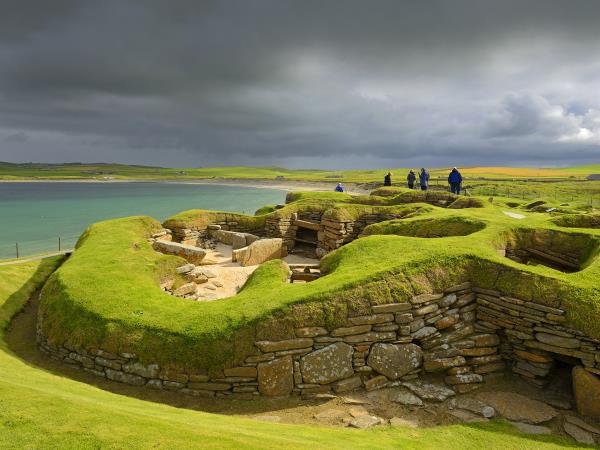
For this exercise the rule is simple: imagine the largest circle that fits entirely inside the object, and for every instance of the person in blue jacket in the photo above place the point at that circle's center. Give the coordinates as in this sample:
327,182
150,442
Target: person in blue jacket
410,179
424,179
339,188
455,180
387,180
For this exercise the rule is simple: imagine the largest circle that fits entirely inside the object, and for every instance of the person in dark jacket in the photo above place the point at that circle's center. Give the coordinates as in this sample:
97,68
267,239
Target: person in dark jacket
455,180
424,179
387,180
410,179
339,188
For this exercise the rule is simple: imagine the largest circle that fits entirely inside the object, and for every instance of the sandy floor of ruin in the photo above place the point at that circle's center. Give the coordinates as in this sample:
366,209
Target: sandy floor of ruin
230,277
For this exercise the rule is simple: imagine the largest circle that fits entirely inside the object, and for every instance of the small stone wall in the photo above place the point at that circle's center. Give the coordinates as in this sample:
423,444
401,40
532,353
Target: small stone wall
332,233
533,335
394,344
193,235
336,233
465,334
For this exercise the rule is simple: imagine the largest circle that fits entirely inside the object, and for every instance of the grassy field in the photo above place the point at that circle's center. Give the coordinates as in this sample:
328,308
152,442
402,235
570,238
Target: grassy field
42,410
123,172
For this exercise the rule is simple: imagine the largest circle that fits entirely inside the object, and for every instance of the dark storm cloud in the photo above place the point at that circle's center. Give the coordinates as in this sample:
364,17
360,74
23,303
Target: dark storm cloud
301,83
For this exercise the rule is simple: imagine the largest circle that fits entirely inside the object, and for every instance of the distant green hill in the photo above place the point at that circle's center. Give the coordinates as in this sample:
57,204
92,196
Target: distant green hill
101,171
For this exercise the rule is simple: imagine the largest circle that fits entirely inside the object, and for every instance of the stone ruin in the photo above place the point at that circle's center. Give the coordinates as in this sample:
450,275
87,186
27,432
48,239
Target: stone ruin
435,346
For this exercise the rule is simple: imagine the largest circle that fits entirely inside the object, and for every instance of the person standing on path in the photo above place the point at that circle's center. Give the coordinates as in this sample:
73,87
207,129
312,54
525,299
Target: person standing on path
339,188
455,180
410,179
387,180
424,179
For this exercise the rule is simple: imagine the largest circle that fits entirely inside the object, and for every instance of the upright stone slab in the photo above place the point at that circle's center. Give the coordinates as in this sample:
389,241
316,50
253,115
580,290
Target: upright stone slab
395,361
586,387
328,364
276,377
260,251
238,241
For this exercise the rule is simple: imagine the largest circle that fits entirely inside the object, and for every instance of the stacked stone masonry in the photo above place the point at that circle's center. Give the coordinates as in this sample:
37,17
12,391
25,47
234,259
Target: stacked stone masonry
465,334
331,233
194,235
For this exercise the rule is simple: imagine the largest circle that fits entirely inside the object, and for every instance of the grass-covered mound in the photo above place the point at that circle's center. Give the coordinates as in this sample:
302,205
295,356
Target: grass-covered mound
40,409
580,248
427,228
578,221
337,206
107,294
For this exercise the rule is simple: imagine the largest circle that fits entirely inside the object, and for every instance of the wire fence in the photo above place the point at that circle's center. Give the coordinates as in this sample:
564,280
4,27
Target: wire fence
34,247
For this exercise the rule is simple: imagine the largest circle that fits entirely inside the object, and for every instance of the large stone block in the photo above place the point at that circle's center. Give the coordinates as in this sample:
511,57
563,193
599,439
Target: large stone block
586,387
192,254
224,236
276,377
328,364
393,360
238,241
260,251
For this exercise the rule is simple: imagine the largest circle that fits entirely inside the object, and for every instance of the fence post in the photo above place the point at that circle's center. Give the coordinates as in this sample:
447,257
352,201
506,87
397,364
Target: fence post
17,247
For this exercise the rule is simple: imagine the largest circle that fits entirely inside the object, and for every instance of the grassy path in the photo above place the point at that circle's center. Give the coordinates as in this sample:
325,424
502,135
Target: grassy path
34,258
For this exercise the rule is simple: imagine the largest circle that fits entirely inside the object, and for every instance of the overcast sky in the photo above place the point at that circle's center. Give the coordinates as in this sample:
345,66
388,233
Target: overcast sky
319,84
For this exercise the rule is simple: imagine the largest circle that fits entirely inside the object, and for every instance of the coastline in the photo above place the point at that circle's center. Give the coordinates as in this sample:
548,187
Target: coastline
284,185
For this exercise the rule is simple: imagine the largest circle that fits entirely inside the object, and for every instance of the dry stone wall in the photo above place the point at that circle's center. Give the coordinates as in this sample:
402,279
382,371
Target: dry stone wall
332,233
391,345
465,334
534,335
195,234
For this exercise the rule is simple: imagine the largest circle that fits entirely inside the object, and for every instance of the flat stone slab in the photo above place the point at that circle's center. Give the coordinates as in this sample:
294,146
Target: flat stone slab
579,434
514,215
429,391
473,405
466,416
405,397
581,424
531,429
517,407
192,254
365,422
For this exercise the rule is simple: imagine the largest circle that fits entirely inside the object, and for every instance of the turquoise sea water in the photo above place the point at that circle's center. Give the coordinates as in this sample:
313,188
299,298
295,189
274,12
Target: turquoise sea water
36,214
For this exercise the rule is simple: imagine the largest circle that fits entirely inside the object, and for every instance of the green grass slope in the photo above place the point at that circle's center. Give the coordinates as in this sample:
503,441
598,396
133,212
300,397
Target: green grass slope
41,410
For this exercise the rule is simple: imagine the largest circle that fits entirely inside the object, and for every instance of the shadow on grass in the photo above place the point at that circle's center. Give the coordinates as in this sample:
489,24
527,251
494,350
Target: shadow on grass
20,340
504,427
18,299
